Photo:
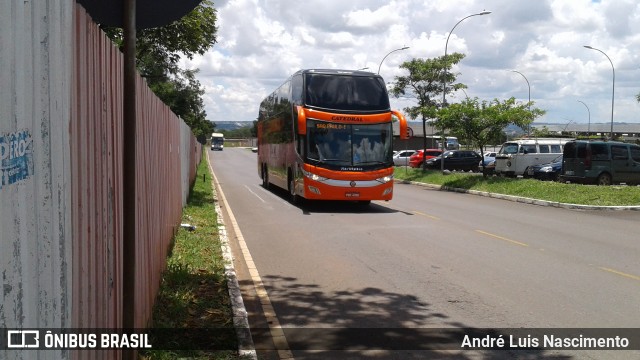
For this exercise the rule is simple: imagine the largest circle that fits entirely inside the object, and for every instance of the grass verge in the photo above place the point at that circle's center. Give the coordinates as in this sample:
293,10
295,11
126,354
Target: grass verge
530,188
193,302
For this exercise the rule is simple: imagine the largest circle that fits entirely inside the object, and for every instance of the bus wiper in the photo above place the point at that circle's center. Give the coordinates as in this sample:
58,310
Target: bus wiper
371,162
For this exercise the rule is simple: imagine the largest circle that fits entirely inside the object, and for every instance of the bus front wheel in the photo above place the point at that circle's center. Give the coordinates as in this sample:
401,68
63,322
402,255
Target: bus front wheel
293,197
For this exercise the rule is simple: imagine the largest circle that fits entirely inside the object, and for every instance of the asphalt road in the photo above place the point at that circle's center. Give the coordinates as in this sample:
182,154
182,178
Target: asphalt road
432,259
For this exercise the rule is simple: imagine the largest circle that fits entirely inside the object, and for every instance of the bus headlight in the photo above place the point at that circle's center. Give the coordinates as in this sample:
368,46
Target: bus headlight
386,179
314,177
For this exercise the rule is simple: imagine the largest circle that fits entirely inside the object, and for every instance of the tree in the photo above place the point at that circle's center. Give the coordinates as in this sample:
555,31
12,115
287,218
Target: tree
424,82
541,132
183,94
482,122
158,52
159,49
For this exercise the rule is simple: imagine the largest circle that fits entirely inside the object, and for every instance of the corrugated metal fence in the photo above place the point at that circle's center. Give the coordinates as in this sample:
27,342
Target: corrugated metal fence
61,176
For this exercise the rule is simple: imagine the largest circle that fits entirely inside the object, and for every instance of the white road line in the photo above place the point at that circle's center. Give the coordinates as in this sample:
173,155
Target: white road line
256,195
274,196
277,334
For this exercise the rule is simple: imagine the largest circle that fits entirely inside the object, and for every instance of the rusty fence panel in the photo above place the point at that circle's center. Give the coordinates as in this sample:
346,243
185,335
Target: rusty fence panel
61,176
96,166
96,161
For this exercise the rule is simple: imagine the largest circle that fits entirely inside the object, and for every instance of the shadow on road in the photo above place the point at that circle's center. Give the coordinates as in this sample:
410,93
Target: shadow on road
309,207
370,323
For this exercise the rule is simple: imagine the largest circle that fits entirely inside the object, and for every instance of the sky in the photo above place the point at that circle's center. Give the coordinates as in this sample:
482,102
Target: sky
262,42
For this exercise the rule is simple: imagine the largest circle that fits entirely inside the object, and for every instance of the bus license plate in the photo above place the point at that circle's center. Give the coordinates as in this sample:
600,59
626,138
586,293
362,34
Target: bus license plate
352,194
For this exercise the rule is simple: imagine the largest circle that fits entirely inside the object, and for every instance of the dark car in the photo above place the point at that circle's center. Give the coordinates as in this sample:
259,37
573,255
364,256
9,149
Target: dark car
456,160
601,162
549,171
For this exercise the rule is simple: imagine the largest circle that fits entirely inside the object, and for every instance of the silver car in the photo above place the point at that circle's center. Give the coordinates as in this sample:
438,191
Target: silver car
401,158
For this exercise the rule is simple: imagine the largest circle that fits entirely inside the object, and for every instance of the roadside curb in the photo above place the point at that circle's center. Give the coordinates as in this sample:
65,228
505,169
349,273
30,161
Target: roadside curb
246,348
521,199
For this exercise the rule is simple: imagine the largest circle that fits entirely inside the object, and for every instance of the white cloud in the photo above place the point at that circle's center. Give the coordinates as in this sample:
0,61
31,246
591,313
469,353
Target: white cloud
262,42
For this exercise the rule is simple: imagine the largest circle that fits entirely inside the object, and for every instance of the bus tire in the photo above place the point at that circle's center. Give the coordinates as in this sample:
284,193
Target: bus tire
265,177
293,197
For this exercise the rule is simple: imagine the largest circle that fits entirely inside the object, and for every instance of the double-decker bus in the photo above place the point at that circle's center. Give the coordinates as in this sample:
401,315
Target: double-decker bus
327,135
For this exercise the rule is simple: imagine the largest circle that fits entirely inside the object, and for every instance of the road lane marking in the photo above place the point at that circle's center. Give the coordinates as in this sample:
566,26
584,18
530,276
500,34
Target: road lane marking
277,335
256,195
502,238
634,277
426,215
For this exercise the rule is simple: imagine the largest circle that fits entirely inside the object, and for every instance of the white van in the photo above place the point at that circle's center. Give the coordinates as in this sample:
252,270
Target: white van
516,156
451,143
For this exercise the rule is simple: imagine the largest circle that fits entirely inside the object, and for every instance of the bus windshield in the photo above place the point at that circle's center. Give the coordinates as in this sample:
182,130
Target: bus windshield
217,140
351,93
349,144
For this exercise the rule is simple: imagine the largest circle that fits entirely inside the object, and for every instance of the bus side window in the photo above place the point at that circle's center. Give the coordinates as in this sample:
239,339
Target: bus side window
544,149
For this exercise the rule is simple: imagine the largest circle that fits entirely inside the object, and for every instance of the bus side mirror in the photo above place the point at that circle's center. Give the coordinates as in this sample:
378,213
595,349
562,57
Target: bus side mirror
302,121
404,130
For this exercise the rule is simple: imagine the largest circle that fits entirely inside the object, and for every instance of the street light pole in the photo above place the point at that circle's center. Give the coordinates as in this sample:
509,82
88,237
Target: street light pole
529,103
588,111
613,91
444,80
400,49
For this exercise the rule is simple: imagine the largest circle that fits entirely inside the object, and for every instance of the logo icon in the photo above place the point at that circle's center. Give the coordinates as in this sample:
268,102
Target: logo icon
20,339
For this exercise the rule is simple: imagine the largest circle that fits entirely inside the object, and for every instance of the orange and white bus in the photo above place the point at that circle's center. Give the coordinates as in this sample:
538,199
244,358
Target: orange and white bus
327,135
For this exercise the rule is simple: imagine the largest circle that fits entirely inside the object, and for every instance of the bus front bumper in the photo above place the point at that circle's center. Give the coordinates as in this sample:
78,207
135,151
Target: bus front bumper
351,190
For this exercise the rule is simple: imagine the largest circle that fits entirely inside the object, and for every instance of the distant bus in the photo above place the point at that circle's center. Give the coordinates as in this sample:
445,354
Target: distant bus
327,135
516,156
217,141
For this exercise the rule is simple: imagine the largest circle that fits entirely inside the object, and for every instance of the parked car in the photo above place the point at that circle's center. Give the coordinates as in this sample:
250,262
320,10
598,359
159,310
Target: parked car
489,169
516,156
401,158
489,156
601,162
456,160
548,171
415,161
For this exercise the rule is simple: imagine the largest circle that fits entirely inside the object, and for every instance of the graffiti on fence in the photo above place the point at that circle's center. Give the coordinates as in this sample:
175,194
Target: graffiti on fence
16,157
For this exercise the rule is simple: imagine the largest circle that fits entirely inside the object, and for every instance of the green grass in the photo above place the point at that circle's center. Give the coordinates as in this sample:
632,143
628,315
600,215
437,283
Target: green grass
193,294
530,188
